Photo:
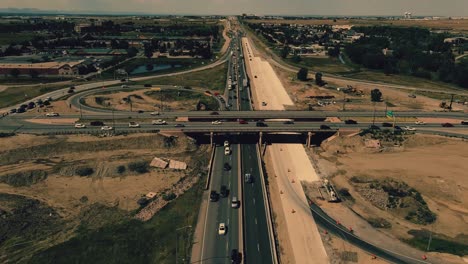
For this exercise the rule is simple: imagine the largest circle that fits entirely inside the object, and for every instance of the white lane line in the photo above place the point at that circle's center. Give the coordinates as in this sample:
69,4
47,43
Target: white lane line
256,221
258,247
254,200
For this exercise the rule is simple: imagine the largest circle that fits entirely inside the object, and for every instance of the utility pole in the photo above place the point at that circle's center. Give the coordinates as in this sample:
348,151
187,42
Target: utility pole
451,101
81,113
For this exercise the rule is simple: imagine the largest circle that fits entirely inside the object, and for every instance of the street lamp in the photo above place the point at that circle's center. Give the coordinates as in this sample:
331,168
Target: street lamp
177,242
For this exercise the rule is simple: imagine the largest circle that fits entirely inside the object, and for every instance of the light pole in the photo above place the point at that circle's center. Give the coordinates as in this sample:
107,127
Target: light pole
177,242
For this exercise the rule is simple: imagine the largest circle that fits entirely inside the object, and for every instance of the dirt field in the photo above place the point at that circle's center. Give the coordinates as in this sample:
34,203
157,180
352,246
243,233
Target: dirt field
395,100
63,190
434,166
455,25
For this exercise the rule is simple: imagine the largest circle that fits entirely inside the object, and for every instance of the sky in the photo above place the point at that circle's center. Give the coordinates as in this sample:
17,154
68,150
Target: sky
260,7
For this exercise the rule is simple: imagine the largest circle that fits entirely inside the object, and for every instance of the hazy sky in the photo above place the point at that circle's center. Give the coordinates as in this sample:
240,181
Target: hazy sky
286,7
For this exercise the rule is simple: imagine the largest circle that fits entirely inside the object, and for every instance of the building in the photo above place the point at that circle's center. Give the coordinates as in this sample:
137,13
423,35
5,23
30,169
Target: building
42,69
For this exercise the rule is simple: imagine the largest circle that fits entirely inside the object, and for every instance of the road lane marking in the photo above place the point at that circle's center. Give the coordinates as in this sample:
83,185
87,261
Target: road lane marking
255,220
254,200
258,247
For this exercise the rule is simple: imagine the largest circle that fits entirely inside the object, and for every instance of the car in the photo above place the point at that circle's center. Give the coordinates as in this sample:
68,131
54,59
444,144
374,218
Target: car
147,85
107,128
70,91
222,229
226,143
411,95
123,80
158,122
214,113
96,123
235,202
236,256
224,191
13,110
179,125
397,128
420,123
242,122
226,166
20,110
248,178
133,124
141,111
374,127
214,196
324,127
387,124
261,124
350,122
52,114
447,125
408,128
288,122
154,113
216,122
79,125
464,122
227,151
124,86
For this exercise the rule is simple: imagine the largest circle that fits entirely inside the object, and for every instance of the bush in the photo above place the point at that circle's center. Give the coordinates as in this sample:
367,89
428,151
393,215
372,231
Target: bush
169,196
139,166
84,199
26,178
121,169
84,171
3,134
379,223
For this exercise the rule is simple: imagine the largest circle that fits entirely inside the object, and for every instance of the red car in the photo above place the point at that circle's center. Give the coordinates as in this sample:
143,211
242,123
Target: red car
242,122
447,125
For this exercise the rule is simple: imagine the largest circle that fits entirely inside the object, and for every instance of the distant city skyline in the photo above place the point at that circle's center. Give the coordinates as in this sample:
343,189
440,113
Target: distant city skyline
260,7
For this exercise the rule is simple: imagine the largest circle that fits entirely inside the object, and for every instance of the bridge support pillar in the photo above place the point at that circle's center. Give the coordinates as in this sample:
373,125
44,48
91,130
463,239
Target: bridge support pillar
309,136
211,139
260,139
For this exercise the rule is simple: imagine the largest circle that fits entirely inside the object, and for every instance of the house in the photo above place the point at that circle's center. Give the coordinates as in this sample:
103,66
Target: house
42,69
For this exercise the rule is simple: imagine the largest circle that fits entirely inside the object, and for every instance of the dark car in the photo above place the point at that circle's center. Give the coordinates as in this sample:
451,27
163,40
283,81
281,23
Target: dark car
96,123
350,122
397,128
224,191
13,110
179,125
123,80
227,167
374,127
214,196
242,122
236,256
147,85
214,113
261,124
447,125
387,124
140,111
289,122
464,122
324,127
20,110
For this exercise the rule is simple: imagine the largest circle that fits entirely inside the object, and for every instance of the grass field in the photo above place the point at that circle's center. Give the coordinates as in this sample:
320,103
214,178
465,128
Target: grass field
12,96
328,65
211,79
132,241
7,38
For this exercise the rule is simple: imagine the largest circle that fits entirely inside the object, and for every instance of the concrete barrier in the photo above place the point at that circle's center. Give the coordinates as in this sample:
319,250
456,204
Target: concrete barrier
267,209
210,167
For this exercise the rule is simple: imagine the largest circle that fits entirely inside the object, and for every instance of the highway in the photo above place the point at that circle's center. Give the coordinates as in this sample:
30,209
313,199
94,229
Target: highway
217,248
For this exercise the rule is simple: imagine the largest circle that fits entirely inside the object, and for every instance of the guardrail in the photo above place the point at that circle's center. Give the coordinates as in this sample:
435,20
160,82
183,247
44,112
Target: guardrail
210,167
267,209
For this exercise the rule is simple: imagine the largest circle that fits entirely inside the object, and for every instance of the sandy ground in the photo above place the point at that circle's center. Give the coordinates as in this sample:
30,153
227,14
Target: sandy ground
304,237
439,178
51,120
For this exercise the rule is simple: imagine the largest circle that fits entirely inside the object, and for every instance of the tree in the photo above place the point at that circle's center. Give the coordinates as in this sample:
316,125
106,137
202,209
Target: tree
334,51
149,52
15,73
285,52
296,59
132,52
376,95
302,74
318,79
34,74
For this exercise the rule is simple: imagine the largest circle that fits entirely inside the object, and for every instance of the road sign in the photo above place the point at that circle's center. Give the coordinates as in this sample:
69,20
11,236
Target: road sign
390,114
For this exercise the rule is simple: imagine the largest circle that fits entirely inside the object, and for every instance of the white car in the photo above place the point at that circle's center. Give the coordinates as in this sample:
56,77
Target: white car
78,125
133,124
217,122
420,123
226,143
222,229
227,151
408,128
158,122
235,202
154,113
52,114
107,128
